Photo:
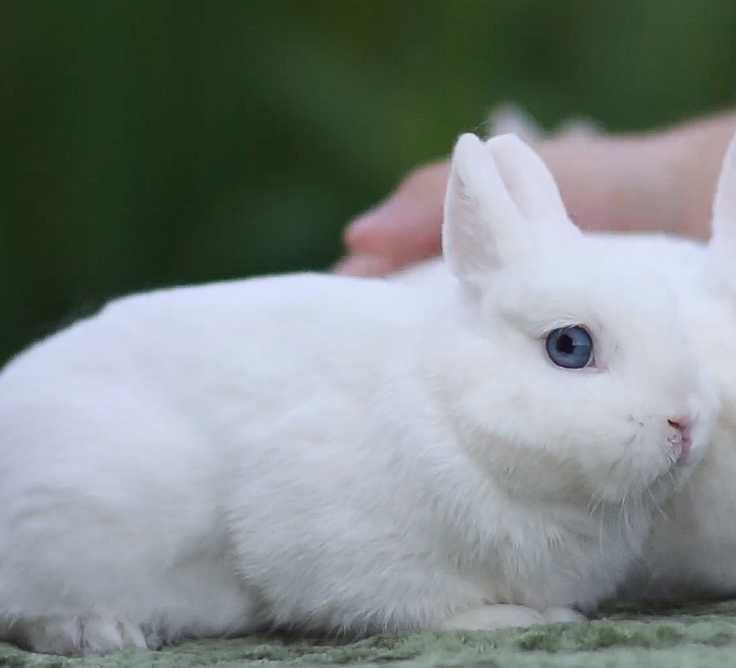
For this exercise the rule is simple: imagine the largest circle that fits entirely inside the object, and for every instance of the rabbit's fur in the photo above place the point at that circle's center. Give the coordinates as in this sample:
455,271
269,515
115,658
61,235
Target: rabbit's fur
338,455
692,551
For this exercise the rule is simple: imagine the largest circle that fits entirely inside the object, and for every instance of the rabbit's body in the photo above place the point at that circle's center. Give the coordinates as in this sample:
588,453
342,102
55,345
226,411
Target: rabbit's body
289,468
343,455
130,494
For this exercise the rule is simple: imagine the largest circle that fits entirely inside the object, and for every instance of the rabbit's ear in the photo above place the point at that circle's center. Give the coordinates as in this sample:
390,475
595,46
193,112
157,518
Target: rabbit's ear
724,206
528,181
481,225
497,191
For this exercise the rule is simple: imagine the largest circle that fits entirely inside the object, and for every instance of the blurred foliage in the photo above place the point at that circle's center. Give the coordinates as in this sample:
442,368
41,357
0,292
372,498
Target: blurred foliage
152,142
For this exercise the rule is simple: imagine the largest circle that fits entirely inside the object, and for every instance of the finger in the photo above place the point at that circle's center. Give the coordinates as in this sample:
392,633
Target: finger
364,265
407,225
400,231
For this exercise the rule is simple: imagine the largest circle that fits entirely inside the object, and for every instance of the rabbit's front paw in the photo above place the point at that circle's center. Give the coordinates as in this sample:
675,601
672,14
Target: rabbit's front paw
75,635
499,616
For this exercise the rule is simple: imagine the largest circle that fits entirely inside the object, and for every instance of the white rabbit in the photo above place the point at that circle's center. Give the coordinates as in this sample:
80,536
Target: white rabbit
340,455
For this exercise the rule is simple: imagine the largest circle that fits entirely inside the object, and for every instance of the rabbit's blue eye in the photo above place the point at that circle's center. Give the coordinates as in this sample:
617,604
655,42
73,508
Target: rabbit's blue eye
570,347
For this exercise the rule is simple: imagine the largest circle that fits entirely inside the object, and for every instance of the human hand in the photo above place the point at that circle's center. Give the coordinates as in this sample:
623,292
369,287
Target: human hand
403,229
657,182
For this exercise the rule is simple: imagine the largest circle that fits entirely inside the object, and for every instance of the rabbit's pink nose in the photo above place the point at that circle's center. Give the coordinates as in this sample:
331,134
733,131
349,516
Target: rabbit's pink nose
681,441
680,423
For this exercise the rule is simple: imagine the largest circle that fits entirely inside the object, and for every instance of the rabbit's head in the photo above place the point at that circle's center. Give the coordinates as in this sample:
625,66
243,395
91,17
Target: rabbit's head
577,376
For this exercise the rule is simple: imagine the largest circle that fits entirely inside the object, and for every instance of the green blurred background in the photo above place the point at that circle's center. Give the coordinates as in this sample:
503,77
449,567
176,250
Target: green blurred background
151,142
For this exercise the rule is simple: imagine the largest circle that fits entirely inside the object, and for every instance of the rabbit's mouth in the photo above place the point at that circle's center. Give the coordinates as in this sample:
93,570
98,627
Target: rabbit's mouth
652,462
683,456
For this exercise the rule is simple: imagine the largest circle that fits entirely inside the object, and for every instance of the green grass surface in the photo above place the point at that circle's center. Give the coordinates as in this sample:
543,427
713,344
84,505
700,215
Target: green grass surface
692,636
